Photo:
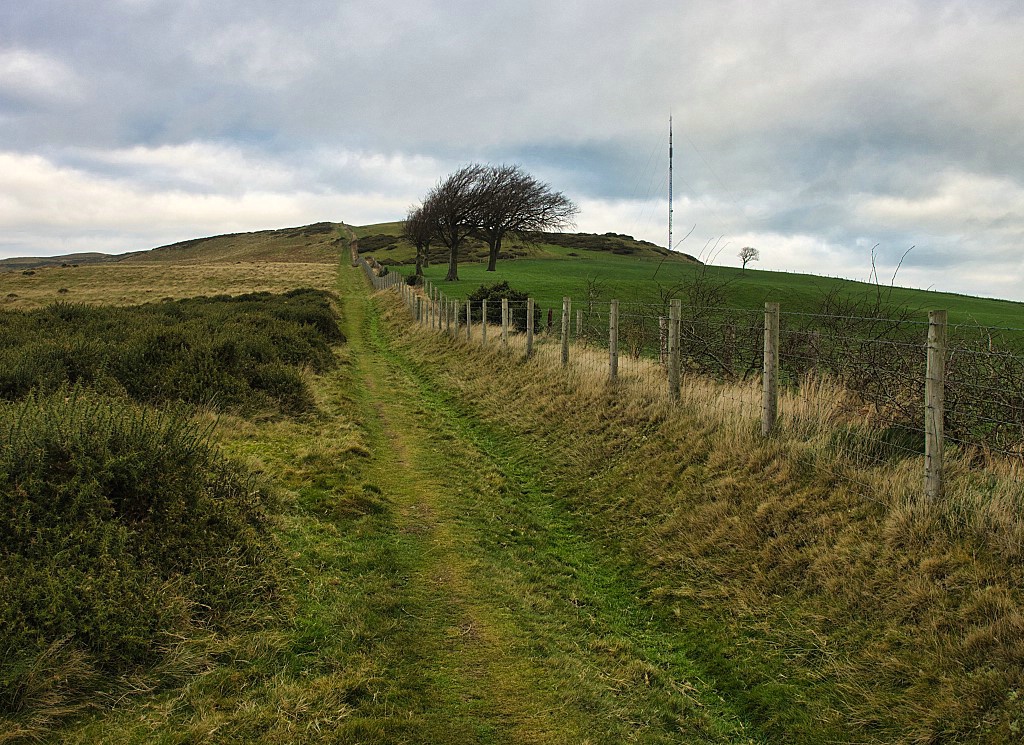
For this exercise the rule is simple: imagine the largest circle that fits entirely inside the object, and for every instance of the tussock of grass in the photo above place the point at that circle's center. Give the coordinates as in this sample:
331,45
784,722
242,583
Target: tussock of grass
836,605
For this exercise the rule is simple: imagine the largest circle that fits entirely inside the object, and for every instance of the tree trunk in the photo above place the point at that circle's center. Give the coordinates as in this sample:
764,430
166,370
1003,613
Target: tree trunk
494,245
420,250
453,264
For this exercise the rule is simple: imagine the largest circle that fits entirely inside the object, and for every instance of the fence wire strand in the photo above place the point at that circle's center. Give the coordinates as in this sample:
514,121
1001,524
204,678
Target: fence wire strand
878,363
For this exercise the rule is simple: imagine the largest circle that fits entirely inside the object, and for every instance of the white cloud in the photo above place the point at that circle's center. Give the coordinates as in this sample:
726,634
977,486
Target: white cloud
959,202
201,166
44,205
38,78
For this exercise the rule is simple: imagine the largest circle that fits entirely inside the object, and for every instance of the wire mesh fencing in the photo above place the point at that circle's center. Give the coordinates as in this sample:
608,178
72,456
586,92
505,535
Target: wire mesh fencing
985,389
880,388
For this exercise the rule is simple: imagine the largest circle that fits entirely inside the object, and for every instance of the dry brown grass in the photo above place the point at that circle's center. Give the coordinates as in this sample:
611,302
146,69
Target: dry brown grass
265,261
844,606
322,243
130,284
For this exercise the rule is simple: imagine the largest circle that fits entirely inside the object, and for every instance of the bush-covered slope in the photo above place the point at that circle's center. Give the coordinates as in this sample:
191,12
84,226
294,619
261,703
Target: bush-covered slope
243,352
126,538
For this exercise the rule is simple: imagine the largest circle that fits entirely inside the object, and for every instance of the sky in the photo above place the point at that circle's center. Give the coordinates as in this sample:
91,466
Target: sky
836,138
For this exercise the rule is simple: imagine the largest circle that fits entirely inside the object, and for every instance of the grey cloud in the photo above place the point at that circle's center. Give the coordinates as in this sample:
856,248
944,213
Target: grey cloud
790,117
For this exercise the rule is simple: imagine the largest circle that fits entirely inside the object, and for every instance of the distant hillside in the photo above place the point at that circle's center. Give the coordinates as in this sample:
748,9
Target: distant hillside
319,243
385,243
37,262
322,243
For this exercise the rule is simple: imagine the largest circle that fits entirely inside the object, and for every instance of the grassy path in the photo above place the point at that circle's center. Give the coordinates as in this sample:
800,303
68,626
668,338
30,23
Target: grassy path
525,630
436,591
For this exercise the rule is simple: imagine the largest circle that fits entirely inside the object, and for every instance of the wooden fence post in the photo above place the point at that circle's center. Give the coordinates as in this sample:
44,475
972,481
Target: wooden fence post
770,402
935,405
674,315
529,327
483,322
419,309
455,318
579,324
469,320
504,323
613,340
566,306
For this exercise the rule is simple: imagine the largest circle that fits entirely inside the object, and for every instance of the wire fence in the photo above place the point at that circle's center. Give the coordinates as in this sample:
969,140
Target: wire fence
886,388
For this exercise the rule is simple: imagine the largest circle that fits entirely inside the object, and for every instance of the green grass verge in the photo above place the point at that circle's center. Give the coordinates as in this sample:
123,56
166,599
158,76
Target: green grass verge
439,593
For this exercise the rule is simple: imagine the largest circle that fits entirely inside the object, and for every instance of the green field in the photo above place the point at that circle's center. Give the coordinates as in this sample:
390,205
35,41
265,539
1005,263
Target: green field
549,273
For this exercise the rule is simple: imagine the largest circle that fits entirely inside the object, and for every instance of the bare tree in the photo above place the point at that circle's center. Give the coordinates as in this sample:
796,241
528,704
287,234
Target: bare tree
453,206
513,201
748,254
418,230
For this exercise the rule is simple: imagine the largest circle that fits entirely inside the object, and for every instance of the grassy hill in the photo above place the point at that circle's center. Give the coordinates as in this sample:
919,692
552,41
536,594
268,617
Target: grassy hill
319,243
550,267
263,261
554,268
34,262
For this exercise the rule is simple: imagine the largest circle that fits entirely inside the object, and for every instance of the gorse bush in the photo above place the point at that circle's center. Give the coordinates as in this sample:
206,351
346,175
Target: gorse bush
244,352
124,534
123,529
494,294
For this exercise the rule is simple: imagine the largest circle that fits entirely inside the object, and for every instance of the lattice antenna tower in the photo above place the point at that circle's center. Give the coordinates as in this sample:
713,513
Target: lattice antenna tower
669,182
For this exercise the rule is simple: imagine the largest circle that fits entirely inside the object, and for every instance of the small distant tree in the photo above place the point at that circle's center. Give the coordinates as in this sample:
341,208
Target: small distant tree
419,232
748,254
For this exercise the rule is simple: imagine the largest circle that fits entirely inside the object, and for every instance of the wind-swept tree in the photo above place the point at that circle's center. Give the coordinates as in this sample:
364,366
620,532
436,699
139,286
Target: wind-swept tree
513,201
420,233
452,207
748,254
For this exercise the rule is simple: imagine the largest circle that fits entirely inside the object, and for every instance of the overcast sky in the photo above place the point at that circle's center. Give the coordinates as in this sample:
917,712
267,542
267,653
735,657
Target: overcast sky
812,131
